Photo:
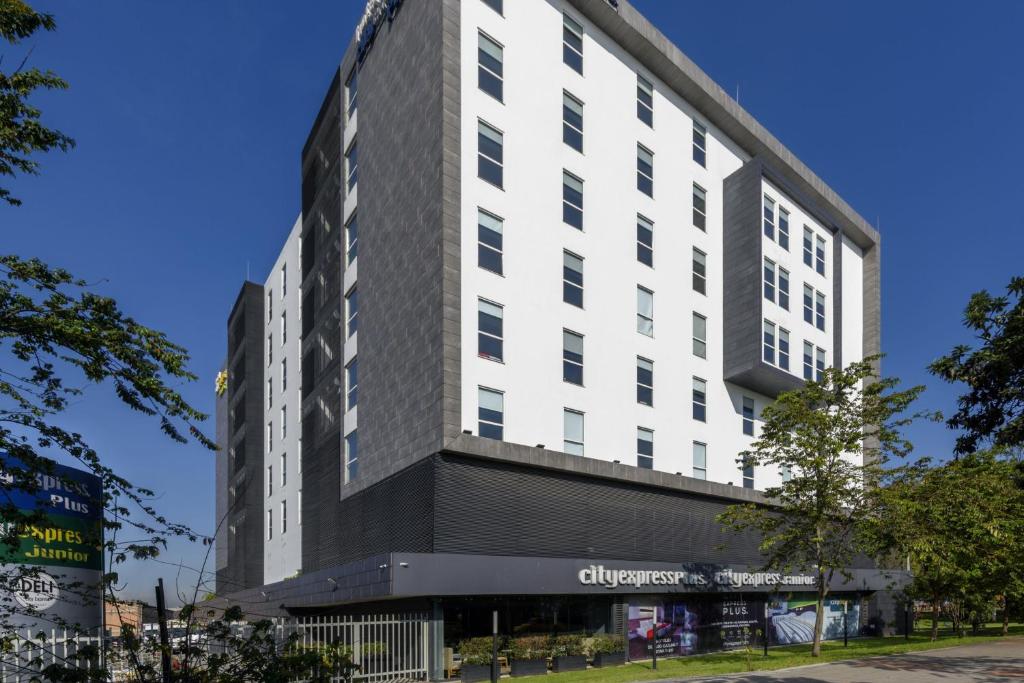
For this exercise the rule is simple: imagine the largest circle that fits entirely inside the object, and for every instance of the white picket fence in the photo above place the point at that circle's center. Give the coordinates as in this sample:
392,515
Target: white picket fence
29,654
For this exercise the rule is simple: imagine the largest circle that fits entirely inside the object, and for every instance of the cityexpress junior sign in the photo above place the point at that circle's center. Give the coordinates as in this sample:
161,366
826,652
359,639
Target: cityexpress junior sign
696,578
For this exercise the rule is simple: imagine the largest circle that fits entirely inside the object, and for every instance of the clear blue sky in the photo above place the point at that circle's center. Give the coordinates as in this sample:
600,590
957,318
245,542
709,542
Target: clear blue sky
190,118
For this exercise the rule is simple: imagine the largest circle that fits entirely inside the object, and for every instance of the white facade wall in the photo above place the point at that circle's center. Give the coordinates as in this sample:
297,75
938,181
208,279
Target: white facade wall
535,236
282,458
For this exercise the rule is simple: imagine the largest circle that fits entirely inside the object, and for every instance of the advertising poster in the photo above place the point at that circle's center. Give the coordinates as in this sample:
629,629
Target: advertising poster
692,625
792,621
65,548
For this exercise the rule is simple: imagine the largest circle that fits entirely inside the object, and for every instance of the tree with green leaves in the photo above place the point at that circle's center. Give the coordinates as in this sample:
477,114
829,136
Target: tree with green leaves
833,438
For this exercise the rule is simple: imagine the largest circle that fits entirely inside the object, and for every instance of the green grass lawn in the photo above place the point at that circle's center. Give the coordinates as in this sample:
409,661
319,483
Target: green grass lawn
778,657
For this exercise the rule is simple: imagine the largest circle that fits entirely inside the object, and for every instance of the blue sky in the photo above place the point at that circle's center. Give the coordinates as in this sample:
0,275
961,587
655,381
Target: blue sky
190,118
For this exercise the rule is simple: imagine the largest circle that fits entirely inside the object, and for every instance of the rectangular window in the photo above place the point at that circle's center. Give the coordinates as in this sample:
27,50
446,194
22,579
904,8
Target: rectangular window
489,66
270,435
819,311
352,166
808,304
489,241
573,428
645,311
572,200
284,470
784,228
700,207
298,507
351,239
700,460
350,92
494,5
769,218
787,473
351,456
351,312
784,348
808,361
769,280
644,448
270,524
700,271
700,335
270,306
784,288
270,480
808,247
572,121
284,516
572,43
645,170
284,422
572,279
644,241
491,414
270,350
769,342
819,255
572,357
819,364
644,381
644,100
700,142
270,392
490,154
352,384
748,476
700,399
748,416
284,280
284,327
490,337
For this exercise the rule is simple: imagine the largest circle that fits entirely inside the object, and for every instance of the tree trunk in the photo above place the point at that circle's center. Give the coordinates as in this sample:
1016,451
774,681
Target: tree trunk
935,619
819,615
1006,617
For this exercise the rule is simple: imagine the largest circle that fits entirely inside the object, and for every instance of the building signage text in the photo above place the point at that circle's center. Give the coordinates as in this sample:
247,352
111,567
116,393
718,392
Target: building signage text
598,575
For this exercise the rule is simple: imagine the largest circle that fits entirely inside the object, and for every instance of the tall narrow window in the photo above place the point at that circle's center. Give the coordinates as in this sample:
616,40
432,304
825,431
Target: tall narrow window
644,448
284,469
490,154
352,384
769,217
351,239
644,381
352,166
491,414
644,241
700,207
351,456
819,254
489,241
784,288
284,516
284,327
700,460
270,306
572,43
808,304
270,435
748,416
700,335
644,100
284,422
769,342
808,361
748,475
572,279
700,144
489,66
784,348
700,271
786,473
270,350
490,333
645,311
270,480
298,507
819,364
572,357
572,200
270,524
572,121
784,228
645,170
351,311
700,399
819,311
573,430
769,280
270,392
808,247
350,92
284,280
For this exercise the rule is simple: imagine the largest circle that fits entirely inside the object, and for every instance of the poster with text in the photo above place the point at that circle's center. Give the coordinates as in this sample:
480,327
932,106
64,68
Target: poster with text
792,621
689,626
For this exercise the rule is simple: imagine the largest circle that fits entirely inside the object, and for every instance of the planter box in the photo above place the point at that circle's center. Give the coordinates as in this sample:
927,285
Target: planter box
529,667
570,663
471,673
610,658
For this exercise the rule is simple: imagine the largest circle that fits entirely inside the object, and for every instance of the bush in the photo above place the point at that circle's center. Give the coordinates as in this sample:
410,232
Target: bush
606,644
478,650
567,645
530,647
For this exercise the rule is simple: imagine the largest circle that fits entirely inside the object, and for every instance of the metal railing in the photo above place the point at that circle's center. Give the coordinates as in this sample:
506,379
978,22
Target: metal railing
32,650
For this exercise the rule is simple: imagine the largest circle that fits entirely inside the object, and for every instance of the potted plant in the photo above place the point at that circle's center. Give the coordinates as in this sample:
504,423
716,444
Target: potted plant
568,653
530,655
476,659
608,650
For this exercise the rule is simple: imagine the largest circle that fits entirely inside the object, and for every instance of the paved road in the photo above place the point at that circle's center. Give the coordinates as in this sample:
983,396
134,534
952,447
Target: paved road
996,662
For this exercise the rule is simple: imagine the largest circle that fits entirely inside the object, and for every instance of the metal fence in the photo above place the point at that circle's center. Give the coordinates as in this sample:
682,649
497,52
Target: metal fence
29,654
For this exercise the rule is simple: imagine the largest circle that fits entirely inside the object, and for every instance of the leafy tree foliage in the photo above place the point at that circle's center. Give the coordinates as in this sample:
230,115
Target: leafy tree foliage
992,410
833,437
